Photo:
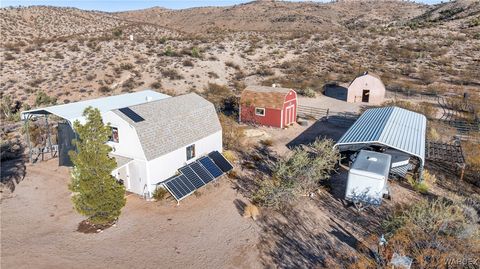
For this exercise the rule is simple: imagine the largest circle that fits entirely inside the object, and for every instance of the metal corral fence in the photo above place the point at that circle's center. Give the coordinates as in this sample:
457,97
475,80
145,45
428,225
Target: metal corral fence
343,119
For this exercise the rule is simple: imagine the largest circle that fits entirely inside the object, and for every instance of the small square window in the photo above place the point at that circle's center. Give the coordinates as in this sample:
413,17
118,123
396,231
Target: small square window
259,111
114,136
190,152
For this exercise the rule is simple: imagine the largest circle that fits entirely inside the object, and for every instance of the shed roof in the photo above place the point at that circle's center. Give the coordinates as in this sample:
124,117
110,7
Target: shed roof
74,111
172,123
262,96
366,73
394,127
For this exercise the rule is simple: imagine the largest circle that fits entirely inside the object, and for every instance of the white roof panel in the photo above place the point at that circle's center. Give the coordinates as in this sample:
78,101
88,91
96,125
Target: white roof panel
74,111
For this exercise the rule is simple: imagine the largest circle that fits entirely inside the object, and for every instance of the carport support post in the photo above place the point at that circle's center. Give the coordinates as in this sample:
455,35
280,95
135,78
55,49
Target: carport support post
28,140
48,136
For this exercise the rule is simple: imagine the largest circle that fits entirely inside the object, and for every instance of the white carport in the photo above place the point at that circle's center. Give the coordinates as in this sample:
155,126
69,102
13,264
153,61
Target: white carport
74,111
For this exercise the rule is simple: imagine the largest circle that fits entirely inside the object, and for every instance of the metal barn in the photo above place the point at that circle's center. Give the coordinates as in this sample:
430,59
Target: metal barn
390,130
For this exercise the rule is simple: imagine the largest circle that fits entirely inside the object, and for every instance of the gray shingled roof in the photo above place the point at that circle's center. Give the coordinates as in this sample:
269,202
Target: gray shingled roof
173,123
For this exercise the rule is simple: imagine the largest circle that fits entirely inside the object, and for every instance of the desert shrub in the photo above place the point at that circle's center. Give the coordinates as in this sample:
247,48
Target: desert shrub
8,56
298,174
58,55
221,97
10,109
43,99
419,186
251,211
156,84
172,74
159,193
423,186
187,63
264,71
104,89
308,92
230,156
233,133
427,109
195,52
126,66
267,142
232,65
169,52
117,32
432,232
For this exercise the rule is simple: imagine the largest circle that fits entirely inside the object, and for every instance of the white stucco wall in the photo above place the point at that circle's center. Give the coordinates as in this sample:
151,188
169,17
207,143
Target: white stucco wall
366,82
129,144
165,166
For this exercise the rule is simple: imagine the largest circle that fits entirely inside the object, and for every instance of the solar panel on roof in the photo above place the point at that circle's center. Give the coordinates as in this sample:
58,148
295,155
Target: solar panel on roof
211,167
201,172
131,114
179,187
192,176
220,161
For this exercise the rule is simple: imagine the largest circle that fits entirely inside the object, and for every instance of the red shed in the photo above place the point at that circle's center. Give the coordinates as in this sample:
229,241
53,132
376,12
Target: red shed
270,106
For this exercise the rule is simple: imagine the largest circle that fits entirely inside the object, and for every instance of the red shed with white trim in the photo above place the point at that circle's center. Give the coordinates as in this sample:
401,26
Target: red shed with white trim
270,106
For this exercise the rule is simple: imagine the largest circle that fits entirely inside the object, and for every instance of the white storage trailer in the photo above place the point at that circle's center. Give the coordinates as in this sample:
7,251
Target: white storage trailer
368,178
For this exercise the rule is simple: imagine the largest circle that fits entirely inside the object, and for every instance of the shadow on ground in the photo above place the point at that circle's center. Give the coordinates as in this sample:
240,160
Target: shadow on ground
12,172
322,129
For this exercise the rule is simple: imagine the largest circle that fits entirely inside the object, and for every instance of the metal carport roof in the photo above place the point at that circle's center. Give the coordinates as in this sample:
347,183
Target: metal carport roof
394,127
74,111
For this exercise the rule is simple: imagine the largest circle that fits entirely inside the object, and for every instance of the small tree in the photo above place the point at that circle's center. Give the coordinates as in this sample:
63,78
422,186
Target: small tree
97,194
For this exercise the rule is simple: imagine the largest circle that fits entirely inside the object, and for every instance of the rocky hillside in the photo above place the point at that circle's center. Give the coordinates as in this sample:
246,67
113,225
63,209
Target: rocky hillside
279,16
42,22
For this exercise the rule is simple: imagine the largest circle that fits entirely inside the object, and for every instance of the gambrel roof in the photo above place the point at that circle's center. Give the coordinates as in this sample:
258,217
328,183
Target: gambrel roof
265,97
172,123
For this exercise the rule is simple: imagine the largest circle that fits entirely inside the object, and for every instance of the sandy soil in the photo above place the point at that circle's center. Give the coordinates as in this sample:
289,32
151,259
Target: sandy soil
38,229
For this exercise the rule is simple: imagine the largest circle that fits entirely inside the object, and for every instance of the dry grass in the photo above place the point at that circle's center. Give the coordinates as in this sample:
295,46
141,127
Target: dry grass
251,211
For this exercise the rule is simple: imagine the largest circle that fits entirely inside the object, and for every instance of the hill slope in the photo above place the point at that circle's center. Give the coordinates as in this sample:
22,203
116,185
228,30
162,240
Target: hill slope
278,16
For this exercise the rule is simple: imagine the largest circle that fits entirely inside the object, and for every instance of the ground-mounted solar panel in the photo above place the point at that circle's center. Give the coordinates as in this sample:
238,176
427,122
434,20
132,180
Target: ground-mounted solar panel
211,167
131,114
220,161
192,176
201,172
179,187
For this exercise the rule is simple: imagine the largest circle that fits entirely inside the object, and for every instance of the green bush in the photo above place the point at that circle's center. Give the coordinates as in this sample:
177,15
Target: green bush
43,99
195,52
299,174
160,193
308,92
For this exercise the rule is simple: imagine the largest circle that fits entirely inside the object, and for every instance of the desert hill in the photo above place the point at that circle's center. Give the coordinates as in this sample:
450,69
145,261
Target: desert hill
278,16
45,22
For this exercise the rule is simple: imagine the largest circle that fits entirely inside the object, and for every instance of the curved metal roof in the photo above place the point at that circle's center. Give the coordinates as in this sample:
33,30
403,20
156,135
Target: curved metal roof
394,127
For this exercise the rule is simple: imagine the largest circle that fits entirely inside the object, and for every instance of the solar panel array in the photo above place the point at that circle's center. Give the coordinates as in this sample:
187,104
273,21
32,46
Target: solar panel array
197,175
131,114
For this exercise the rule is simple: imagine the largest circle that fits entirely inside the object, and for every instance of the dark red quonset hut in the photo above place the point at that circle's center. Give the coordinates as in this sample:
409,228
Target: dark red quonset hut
270,106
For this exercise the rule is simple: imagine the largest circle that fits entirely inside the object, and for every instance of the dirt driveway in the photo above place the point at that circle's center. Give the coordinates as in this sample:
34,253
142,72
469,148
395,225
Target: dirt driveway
38,229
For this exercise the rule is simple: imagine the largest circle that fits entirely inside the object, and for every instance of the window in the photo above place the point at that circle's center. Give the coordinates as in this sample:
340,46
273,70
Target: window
114,136
259,111
190,152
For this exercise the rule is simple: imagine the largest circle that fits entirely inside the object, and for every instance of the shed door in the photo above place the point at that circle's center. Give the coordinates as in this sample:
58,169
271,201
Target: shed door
289,119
